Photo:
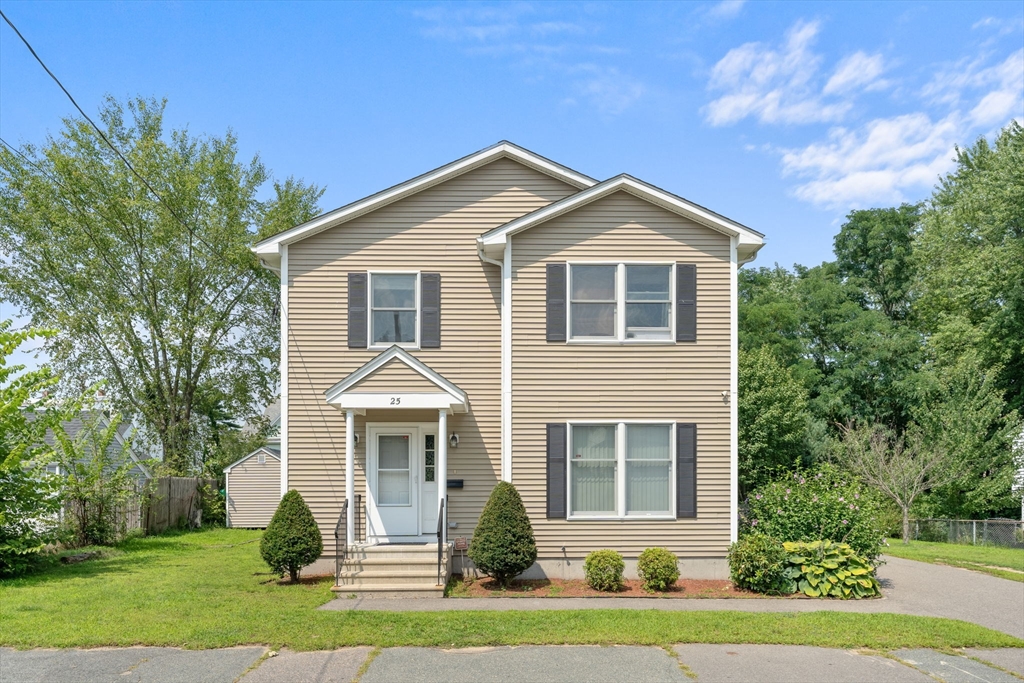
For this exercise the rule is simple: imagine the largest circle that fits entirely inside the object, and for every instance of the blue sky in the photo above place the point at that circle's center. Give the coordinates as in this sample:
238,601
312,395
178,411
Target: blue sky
783,116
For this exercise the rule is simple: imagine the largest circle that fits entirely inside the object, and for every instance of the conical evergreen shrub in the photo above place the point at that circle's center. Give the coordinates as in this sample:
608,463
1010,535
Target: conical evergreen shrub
292,540
503,546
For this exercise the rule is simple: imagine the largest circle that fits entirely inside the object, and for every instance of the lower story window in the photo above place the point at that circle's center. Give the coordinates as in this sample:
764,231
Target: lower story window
621,470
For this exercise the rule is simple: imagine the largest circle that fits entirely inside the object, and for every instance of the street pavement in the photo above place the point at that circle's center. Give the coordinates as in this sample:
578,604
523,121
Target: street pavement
526,664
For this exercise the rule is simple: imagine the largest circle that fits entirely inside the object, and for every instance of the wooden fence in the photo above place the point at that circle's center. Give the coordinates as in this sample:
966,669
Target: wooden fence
174,502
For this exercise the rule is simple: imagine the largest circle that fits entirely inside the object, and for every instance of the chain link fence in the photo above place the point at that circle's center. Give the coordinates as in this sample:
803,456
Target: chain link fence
1008,533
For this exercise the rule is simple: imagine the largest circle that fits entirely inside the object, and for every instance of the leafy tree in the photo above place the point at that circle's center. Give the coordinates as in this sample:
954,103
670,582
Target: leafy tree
900,467
964,414
772,419
503,546
161,298
292,539
29,498
769,314
874,253
970,257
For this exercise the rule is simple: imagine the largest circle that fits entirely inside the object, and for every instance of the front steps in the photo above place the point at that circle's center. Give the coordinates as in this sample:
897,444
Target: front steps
406,570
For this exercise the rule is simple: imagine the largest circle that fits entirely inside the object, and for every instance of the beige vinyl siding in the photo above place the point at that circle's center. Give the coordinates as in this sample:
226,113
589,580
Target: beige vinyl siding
557,382
434,231
393,375
253,492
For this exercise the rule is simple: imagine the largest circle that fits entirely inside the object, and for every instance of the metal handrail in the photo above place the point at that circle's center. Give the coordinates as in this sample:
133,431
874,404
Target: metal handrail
441,525
340,548
358,531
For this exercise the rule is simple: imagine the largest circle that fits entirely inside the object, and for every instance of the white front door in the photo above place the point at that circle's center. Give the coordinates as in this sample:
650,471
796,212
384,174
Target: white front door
393,481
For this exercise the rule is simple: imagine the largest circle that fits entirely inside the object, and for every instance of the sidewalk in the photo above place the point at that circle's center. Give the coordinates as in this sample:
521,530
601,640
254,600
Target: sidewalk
540,664
909,587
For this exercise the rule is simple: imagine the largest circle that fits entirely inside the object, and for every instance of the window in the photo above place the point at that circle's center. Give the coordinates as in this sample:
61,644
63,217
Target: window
261,458
621,470
599,293
394,301
429,458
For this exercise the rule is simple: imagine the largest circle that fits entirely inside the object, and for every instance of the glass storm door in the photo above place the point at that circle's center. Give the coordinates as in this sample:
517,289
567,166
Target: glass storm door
395,495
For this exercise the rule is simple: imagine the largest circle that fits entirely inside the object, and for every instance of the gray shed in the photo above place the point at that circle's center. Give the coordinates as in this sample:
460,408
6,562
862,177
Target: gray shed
253,488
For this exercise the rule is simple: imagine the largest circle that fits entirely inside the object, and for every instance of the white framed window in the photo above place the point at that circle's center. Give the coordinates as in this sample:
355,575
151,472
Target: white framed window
620,470
394,309
621,302
261,458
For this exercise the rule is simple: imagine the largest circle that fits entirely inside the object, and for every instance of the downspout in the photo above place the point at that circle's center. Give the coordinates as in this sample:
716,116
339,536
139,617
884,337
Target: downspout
487,259
506,356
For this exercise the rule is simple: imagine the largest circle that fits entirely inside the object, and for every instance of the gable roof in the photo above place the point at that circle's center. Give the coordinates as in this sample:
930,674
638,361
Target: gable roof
398,353
85,419
269,249
272,452
749,241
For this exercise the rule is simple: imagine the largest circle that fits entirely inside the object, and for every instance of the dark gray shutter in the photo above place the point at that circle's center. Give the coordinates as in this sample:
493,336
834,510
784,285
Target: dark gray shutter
357,310
556,470
556,302
430,310
686,302
686,470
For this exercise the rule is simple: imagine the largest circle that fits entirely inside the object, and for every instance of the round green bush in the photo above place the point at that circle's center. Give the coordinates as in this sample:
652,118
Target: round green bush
503,546
603,570
758,563
292,539
825,504
658,568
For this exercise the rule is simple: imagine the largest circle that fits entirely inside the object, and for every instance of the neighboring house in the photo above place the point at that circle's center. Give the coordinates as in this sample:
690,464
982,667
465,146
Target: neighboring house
252,487
504,317
121,445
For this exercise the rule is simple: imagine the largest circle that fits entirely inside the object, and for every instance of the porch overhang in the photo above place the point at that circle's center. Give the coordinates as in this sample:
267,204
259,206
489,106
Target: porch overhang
437,393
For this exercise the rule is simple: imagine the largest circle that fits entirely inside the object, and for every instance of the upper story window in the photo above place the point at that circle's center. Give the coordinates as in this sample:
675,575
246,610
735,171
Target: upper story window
620,302
394,308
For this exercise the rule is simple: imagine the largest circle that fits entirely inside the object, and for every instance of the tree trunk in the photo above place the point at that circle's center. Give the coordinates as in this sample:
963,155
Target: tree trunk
294,574
906,526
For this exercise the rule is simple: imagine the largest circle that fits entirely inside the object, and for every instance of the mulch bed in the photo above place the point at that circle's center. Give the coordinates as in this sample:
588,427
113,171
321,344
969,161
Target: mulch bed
577,588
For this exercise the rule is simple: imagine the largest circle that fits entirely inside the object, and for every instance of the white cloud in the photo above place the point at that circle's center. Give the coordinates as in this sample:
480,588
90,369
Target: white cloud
608,90
859,70
951,84
781,85
726,9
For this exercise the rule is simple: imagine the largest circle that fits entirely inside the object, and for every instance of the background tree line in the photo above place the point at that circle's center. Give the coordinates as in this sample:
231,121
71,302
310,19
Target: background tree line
915,330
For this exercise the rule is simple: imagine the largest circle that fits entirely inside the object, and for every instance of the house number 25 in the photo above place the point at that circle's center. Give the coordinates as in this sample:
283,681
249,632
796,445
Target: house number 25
396,400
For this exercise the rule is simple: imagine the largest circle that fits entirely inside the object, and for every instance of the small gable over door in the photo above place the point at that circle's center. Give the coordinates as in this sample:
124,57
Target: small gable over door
393,375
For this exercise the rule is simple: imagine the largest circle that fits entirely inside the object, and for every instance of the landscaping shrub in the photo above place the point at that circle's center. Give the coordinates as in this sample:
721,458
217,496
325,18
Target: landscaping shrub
603,570
211,499
29,516
503,546
658,568
825,504
758,563
829,569
292,539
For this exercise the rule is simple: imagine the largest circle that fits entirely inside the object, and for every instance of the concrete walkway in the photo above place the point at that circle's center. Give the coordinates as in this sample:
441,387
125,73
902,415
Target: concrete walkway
909,587
554,664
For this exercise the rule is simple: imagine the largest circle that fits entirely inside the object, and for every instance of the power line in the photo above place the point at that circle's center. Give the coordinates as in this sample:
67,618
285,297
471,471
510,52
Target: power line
104,137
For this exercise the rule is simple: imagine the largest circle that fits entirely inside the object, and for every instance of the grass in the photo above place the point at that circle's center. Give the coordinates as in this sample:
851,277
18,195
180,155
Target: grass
1006,563
209,589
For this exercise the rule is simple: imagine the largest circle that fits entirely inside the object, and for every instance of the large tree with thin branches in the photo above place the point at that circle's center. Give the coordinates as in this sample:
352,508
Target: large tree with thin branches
146,272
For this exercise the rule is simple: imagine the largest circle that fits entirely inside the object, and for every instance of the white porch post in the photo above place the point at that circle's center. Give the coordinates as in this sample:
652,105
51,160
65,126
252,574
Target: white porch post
350,468
442,467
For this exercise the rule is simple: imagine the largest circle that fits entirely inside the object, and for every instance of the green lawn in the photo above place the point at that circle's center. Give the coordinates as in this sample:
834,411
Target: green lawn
210,589
1006,563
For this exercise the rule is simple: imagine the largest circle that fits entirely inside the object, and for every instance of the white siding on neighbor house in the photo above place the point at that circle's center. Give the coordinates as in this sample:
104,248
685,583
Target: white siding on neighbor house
253,491
559,382
432,231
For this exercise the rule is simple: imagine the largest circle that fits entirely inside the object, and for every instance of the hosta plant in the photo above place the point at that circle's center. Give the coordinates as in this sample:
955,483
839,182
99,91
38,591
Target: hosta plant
828,569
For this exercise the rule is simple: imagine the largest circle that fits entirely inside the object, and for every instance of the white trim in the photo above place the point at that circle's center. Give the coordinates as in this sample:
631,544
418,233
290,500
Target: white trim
334,394
350,476
620,472
733,392
498,236
283,432
126,448
415,344
506,364
418,430
440,470
272,246
262,449
396,399
620,304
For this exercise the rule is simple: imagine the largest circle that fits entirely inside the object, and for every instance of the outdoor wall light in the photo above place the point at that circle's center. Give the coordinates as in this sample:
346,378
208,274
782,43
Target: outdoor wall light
355,438
453,440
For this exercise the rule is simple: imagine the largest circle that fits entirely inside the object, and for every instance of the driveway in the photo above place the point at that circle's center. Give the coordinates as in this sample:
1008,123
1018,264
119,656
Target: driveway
909,587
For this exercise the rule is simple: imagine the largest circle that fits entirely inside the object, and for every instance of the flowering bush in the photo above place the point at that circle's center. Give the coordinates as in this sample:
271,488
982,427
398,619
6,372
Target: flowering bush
824,504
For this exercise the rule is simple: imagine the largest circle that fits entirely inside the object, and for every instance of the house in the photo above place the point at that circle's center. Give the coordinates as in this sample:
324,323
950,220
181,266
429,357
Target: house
505,317
252,484
119,449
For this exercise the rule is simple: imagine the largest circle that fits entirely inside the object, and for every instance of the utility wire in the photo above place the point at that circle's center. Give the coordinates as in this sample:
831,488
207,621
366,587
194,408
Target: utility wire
104,138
